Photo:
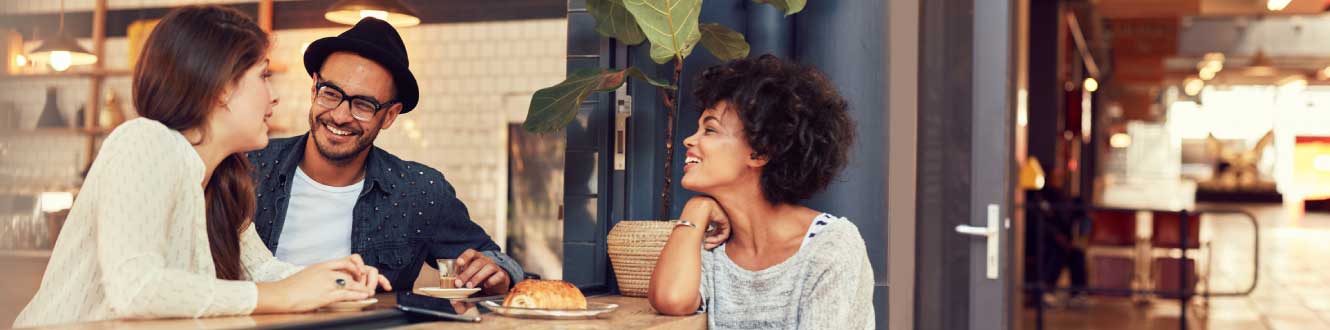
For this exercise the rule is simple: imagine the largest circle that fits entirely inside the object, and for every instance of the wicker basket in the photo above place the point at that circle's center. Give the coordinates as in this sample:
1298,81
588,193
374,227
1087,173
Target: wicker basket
634,247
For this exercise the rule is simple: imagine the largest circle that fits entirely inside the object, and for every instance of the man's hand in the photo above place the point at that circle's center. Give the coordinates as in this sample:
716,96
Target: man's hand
478,270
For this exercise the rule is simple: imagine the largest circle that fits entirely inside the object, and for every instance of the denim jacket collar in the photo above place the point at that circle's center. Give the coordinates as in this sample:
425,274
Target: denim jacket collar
375,169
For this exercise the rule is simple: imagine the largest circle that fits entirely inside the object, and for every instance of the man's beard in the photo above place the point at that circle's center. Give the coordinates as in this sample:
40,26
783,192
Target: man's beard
363,140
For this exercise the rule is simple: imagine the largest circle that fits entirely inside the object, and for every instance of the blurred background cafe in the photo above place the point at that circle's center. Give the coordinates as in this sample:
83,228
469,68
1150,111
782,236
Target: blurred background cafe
1020,164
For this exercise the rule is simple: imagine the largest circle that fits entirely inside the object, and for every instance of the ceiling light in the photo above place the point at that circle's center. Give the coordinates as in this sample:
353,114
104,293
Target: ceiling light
1119,140
350,12
1277,5
62,51
1091,85
1206,74
1192,86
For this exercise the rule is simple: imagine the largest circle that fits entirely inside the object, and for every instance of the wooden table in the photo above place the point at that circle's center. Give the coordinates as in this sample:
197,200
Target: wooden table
632,314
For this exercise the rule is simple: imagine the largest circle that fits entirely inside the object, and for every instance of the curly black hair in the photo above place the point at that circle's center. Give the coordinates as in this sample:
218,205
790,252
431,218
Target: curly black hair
792,116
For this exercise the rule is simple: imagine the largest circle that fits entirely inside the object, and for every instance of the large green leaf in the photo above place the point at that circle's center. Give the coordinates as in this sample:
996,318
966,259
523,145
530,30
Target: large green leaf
671,25
552,108
613,20
722,42
790,7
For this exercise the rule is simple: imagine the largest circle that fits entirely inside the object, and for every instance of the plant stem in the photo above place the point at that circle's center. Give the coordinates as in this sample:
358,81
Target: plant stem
672,108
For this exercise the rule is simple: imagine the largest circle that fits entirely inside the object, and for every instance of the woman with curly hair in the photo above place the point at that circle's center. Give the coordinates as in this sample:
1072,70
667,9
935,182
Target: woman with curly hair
771,134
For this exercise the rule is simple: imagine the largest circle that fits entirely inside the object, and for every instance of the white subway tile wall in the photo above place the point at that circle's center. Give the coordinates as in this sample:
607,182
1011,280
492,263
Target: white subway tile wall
475,79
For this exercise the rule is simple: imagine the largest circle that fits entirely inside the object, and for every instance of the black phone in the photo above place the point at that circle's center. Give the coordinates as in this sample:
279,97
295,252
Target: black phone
421,308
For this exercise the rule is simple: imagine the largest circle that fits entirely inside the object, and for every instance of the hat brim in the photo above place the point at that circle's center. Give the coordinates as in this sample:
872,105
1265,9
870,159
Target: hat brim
405,82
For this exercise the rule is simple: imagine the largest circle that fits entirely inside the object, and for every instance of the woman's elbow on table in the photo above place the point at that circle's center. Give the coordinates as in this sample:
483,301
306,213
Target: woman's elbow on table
674,303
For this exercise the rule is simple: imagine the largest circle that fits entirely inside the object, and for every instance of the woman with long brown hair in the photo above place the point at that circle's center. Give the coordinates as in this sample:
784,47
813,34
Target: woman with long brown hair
161,226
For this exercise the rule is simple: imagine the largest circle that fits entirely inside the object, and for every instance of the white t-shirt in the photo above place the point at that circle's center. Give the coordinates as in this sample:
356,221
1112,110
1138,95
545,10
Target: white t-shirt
318,221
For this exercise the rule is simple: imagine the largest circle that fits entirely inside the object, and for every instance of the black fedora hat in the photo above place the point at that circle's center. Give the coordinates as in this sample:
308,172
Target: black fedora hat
377,41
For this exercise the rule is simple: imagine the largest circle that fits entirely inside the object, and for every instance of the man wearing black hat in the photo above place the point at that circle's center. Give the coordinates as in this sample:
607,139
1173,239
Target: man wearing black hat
331,192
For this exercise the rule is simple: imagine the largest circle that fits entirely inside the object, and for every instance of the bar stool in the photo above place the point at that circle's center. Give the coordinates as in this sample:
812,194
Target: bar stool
1112,251
1166,234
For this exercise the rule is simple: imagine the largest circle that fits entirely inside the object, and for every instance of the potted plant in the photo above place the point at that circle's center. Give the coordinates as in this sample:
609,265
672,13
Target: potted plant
672,29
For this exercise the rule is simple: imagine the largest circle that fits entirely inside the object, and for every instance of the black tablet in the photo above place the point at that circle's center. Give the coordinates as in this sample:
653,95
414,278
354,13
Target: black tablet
421,308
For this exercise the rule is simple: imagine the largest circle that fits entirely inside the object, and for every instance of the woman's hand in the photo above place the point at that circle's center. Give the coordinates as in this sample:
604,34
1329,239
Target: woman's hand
319,285
673,289
705,207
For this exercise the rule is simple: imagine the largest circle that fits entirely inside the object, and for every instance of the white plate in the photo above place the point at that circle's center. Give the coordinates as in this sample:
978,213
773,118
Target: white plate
445,293
351,306
593,310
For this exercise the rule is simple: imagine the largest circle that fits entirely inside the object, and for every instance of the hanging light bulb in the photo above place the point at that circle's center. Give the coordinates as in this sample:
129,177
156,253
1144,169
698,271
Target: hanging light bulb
61,60
1091,85
62,51
350,12
379,14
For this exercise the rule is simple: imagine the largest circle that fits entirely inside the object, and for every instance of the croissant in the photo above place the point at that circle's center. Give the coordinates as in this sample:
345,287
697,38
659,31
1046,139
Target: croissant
545,294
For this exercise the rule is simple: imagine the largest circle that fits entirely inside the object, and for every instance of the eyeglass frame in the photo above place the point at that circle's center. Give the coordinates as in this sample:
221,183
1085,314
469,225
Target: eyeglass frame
320,84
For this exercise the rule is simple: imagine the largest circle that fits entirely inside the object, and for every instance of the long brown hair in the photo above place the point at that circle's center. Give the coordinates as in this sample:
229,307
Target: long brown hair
193,55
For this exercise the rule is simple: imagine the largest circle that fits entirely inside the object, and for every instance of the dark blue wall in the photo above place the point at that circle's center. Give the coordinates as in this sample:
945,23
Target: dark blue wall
845,39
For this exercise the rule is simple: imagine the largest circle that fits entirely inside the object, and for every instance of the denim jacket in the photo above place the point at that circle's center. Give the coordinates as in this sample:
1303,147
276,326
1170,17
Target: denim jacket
407,213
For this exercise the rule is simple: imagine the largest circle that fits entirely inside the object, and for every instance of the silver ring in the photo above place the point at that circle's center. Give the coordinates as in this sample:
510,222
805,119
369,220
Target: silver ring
341,283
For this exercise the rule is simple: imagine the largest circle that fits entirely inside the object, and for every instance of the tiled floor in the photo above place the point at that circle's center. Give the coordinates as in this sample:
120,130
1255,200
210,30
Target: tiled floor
1293,291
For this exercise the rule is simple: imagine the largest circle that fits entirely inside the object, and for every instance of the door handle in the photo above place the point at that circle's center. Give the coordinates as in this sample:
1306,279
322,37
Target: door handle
992,234
975,231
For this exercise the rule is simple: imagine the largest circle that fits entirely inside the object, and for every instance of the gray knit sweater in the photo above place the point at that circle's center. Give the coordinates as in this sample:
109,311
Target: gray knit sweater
827,284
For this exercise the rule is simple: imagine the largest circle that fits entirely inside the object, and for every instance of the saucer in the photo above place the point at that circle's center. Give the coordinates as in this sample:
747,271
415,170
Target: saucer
446,293
351,306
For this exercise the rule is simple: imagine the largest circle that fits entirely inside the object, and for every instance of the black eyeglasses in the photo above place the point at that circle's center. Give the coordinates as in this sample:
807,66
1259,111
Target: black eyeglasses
363,108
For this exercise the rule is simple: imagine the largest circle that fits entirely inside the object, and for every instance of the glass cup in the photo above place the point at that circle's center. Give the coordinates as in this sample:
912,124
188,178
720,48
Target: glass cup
447,273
